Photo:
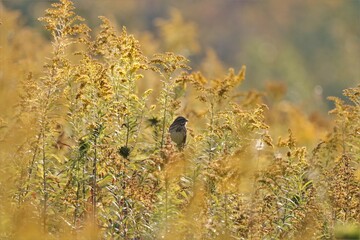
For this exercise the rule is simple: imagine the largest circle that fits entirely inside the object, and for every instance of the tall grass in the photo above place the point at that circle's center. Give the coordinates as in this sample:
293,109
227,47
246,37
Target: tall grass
86,155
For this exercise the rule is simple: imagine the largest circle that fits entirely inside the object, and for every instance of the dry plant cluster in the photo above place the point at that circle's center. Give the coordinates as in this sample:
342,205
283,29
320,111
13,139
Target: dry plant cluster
87,155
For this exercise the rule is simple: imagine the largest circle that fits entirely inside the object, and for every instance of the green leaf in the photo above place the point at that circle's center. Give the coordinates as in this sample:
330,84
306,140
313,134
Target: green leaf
105,181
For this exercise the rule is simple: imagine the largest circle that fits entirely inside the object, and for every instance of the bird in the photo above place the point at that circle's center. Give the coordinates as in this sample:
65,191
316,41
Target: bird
177,131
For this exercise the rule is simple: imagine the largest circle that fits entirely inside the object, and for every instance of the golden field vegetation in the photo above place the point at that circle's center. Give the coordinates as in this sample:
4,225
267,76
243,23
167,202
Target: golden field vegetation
85,151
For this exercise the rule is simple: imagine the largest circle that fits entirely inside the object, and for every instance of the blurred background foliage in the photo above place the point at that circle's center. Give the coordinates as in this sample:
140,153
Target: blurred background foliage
310,47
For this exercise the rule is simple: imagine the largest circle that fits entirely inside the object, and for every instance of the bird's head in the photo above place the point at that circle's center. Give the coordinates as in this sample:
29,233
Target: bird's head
180,120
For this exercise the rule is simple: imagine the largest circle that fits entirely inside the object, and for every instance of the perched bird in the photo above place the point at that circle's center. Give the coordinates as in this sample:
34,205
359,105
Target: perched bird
177,131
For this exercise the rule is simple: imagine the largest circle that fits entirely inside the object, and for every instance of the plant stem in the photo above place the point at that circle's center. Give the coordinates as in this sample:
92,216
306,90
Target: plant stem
127,131
77,191
123,206
94,180
163,124
165,111
44,180
31,168
166,202
226,212
211,130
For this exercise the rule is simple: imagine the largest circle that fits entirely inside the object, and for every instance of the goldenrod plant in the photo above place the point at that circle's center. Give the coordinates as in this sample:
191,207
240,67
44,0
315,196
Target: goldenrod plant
85,149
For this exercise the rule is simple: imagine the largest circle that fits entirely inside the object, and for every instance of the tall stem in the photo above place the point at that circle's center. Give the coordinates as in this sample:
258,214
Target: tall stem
123,206
164,122
226,212
94,181
129,87
31,168
76,211
166,202
44,180
211,131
